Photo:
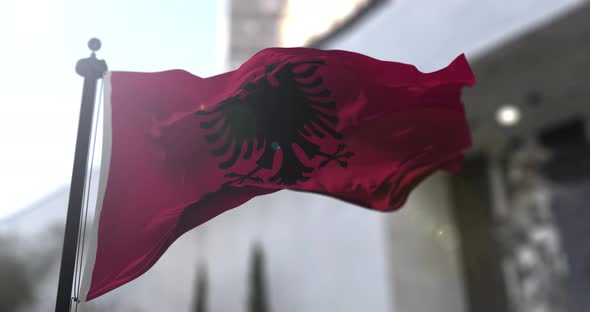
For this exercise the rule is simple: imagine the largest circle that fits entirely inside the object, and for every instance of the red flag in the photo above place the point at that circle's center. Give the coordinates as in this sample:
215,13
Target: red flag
180,149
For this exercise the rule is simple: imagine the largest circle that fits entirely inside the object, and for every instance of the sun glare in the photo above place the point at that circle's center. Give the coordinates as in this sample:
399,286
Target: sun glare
306,19
31,101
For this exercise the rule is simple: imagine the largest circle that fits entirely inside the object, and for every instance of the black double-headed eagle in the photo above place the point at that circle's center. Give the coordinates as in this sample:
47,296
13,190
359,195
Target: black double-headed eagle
283,108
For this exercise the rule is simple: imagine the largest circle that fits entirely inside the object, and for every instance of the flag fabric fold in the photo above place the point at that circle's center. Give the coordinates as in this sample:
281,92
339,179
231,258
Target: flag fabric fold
179,150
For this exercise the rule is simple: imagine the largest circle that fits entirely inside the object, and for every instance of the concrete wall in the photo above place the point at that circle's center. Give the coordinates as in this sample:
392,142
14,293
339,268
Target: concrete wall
424,251
321,255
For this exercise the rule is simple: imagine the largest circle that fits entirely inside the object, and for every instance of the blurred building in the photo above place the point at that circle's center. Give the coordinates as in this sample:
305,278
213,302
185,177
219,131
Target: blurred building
529,114
253,24
498,237
450,248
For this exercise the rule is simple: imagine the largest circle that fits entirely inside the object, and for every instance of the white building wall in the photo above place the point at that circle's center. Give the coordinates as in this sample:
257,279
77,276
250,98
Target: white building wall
424,251
320,254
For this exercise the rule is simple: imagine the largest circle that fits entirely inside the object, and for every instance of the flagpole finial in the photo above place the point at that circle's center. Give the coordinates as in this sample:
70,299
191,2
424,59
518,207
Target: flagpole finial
94,44
92,67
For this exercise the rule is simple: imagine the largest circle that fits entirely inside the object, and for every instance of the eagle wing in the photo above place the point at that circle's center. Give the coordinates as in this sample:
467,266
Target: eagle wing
233,123
264,112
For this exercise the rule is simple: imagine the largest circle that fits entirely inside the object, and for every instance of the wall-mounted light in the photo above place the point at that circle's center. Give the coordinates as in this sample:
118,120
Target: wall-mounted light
508,115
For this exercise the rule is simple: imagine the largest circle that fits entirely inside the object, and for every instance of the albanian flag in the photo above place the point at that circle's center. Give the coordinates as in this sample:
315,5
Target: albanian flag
180,149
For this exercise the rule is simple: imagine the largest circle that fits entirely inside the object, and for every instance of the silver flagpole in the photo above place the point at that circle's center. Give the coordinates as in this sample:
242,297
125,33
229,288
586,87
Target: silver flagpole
91,69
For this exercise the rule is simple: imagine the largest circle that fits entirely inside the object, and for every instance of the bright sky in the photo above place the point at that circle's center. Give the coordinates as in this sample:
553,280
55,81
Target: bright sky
40,42
308,18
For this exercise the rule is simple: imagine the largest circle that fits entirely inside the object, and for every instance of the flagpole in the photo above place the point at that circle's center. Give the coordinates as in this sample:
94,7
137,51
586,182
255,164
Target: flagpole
91,69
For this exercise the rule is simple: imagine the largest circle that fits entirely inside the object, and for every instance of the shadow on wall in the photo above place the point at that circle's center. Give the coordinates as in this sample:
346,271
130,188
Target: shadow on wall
201,291
258,295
